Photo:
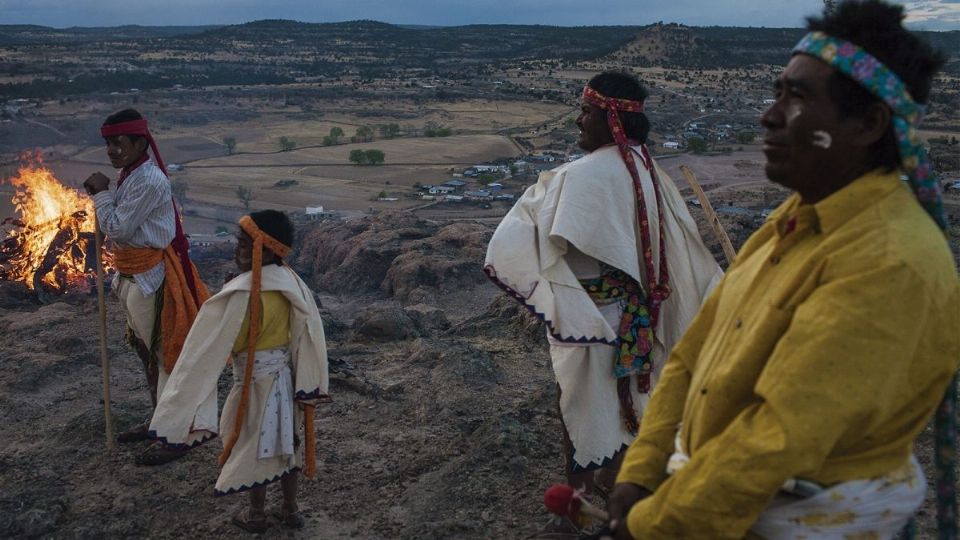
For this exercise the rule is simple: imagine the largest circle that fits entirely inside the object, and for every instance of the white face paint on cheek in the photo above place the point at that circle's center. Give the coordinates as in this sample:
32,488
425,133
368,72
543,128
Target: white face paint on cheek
822,139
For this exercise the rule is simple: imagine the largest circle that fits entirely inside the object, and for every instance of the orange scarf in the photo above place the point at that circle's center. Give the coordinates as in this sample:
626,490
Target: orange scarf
261,240
179,309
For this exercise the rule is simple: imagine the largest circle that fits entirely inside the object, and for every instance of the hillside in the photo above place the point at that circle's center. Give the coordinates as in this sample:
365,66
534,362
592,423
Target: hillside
46,62
29,34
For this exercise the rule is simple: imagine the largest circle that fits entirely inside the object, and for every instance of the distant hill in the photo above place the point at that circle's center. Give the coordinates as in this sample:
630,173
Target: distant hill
419,45
80,60
678,46
28,34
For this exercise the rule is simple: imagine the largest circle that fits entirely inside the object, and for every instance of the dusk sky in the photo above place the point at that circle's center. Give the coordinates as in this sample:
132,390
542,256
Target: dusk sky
922,14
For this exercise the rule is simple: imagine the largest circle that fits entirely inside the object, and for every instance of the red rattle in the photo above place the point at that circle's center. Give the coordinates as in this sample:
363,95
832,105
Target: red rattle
563,500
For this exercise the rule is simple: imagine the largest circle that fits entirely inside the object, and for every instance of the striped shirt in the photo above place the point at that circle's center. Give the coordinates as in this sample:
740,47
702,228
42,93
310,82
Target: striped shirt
140,214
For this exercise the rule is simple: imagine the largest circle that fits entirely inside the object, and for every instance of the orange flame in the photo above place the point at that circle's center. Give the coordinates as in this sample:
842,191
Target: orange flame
49,213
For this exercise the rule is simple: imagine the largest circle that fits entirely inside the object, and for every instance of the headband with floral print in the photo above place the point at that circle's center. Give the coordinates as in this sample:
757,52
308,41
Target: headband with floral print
861,66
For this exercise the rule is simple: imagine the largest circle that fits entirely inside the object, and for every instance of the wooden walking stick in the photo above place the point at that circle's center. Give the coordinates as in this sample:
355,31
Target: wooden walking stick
104,357
712,218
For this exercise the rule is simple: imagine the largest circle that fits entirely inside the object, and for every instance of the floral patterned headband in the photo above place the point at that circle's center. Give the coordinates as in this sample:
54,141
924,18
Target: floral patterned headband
861,66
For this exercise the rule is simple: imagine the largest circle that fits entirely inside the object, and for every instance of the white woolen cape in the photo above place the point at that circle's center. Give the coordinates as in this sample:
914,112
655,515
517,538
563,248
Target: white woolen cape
188,404
591,204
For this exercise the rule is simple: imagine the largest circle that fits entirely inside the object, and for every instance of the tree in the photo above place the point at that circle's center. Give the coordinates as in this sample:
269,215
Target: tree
230,143
389,131
245,195
486,179
366,157
697,145
364,134
286,144
375,157
745,137
435,131
358,157
335,134
829,7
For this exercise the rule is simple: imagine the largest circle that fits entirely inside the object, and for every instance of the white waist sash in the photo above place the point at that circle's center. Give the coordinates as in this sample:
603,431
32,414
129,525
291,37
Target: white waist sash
871,508
276,426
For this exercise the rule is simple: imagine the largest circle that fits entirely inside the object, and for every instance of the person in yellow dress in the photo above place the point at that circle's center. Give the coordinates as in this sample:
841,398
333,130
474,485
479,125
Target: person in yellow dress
790,407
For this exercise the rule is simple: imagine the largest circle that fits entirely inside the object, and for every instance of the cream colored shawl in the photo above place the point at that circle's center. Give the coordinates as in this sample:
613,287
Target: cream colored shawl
590,203
189,400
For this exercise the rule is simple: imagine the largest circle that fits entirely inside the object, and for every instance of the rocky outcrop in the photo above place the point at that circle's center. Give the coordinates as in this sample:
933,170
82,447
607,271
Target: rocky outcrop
395,253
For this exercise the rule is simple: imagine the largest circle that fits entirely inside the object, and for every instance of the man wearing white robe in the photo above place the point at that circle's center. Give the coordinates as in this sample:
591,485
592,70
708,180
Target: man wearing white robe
577,220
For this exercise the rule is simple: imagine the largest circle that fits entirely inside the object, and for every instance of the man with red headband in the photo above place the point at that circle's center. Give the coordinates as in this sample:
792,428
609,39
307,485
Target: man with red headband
266,321
159,289
790,407
604,251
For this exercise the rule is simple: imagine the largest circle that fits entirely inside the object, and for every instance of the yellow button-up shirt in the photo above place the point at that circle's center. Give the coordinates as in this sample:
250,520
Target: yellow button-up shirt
821,355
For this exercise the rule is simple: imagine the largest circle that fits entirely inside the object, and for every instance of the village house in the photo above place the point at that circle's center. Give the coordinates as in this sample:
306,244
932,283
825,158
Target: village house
317,213
489,168
441,190
481,195
456,184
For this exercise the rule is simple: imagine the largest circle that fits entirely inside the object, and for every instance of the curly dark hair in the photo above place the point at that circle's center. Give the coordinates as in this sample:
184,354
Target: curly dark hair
877,27
618,84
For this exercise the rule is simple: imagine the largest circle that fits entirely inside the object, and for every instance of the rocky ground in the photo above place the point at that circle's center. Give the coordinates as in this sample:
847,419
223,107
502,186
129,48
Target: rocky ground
443,423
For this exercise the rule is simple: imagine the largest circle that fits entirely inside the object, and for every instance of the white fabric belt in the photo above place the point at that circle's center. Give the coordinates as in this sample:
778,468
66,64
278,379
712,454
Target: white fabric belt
871,508
276,426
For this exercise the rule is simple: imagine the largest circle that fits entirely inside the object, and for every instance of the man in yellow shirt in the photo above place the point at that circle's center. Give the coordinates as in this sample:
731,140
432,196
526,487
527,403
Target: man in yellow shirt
790,406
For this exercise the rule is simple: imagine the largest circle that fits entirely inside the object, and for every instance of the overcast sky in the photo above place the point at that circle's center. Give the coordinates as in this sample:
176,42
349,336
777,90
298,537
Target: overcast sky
924,14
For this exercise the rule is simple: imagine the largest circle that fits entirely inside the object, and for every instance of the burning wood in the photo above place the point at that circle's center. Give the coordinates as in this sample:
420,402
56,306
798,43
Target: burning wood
50,246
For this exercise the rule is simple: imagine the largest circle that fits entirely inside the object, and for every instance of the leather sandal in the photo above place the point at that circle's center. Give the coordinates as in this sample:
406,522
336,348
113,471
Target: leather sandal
245,521
134,434
158,455
290,520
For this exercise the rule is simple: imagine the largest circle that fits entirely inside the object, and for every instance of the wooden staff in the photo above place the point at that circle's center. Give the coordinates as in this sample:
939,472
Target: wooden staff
712,218
104,357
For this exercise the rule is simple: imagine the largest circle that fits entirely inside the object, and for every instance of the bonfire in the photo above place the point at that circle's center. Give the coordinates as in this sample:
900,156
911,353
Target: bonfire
49,246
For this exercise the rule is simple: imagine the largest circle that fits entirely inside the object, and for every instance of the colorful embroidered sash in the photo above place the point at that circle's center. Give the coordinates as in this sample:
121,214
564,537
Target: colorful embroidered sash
634,333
